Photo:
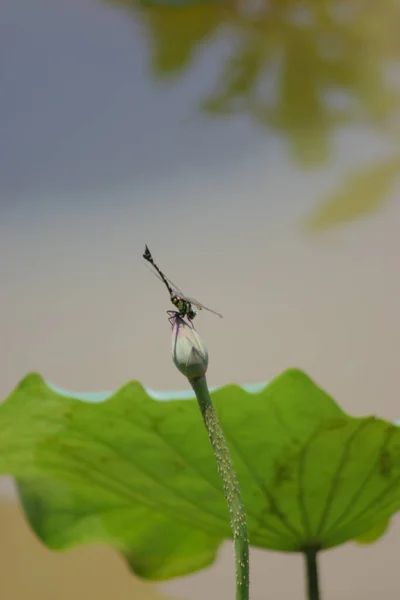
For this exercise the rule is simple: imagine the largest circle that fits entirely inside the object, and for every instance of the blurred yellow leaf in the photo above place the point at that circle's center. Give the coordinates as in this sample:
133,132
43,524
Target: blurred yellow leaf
361,193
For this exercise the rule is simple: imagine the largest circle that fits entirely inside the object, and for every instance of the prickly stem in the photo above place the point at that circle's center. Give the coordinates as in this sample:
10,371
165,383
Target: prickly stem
230,484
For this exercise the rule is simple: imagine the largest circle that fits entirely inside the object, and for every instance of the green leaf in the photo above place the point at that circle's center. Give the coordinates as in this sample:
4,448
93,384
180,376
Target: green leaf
139,473
361,194
372,535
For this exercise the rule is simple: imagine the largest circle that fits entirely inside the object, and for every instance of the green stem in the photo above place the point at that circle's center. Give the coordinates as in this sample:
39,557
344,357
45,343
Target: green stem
312,574
230,483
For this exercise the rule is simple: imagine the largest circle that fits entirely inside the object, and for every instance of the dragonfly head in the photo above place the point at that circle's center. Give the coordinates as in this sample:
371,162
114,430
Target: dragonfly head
191,314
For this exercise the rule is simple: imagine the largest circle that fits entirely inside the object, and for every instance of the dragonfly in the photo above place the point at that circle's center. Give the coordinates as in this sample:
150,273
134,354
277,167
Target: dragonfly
186,307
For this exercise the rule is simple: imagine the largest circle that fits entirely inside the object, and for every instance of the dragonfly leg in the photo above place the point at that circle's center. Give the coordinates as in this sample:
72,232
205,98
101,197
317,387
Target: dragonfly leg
172,315
191,323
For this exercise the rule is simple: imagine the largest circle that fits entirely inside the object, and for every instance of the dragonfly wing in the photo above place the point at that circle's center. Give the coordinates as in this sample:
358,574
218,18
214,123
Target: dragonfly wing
173,286
201,306
154,273
183,296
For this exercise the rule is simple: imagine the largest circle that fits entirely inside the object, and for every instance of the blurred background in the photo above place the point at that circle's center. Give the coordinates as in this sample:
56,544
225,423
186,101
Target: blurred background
254,146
